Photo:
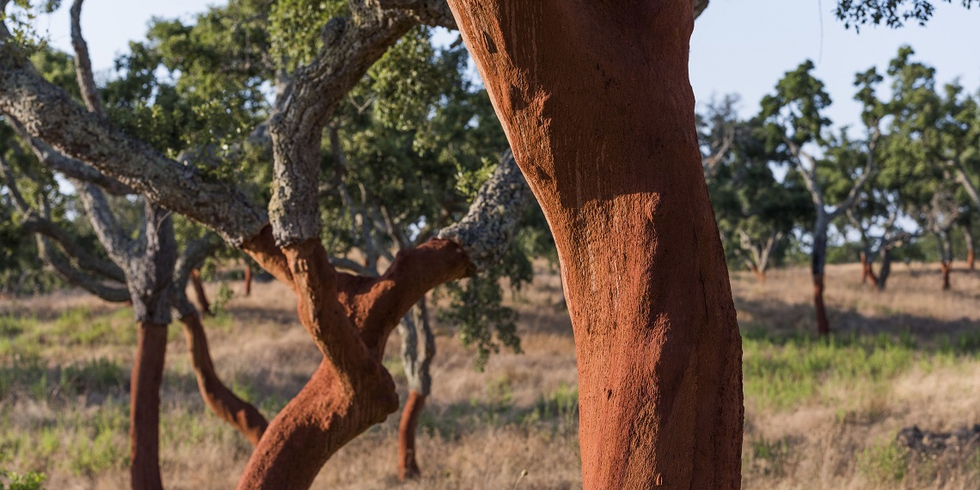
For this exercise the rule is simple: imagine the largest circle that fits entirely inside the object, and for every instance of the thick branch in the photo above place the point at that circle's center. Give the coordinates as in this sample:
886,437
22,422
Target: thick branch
489,226
70,167
72,275
301,114
121,248
49,114
433,13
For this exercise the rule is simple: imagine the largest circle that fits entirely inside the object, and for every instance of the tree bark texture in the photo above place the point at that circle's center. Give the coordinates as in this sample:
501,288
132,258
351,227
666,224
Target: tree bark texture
597,106
199,293
350,319
144,426
886,268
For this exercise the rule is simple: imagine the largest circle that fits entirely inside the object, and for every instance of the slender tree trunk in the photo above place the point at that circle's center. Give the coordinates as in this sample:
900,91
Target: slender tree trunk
864,268
759,274
144,428
886,268
620,181
408,467
945,267
418,349
223,402
200,294
970,249
817,263
248,280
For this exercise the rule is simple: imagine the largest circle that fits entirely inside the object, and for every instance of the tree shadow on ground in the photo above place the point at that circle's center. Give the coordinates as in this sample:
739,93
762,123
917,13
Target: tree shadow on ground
782,320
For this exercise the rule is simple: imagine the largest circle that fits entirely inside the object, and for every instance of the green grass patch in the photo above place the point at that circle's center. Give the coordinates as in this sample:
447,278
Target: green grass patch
785,371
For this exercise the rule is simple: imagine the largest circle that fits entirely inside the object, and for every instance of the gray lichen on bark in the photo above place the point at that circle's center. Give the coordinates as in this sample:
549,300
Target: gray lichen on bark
486,231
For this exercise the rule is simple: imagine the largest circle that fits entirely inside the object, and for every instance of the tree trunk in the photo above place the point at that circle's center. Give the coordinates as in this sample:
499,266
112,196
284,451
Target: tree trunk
248,280
946,267
222,401
144,427
970,249
597,105
418,349
199,293
864,268
886,268
759,273
350,319
407,465
818,260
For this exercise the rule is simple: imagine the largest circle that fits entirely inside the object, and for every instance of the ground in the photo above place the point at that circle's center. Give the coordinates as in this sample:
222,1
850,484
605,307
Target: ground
817,414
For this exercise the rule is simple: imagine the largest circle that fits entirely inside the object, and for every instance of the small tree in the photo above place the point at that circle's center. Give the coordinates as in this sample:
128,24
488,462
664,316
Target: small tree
795,120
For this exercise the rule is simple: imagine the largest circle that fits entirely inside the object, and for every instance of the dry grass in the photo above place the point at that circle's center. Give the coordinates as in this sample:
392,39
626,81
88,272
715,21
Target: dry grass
817,415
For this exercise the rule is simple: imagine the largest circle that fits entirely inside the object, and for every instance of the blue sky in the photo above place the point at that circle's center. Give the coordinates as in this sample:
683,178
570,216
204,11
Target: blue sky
739,46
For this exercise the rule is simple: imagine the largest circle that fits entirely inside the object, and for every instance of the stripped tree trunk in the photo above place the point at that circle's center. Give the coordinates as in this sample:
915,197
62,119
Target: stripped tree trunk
418,349
222,401
200,294
144,428
970,250
620,181
864,268
886,267
818,260
248,280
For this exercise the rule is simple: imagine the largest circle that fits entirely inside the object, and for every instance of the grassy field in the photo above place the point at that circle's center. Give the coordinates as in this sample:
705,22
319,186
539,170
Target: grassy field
818,414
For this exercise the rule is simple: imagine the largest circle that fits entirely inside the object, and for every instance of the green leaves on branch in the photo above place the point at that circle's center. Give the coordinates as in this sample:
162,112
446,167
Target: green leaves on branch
296,29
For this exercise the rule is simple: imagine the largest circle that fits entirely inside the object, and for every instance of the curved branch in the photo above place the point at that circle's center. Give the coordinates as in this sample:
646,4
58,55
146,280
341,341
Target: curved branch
60,264
83,64
243,416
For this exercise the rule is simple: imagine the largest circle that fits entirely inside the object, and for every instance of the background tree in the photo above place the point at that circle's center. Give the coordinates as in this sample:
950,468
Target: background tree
755,212
794,119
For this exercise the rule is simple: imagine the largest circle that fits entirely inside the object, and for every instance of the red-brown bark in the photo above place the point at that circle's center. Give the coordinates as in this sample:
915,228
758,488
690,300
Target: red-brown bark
864,268
408,467
823,326
248,280
144,428
946,267
349,318
971,259
200,294
759,274
222,401
597,105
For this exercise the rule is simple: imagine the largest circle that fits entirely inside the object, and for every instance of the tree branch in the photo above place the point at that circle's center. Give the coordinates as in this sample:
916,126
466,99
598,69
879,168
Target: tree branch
83,64
49,114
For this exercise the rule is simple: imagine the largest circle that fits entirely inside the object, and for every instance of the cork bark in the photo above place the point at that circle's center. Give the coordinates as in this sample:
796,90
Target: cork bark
597,106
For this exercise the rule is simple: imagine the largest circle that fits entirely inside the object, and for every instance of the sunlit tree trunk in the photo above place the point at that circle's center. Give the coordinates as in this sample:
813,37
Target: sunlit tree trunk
597,105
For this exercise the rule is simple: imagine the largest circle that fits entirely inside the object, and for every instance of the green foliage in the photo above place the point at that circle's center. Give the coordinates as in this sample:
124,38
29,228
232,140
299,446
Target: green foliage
894,13
15,481
482,320
296,27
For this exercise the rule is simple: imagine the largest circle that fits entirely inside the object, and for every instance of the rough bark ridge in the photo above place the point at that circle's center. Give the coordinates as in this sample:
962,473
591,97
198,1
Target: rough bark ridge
596,102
